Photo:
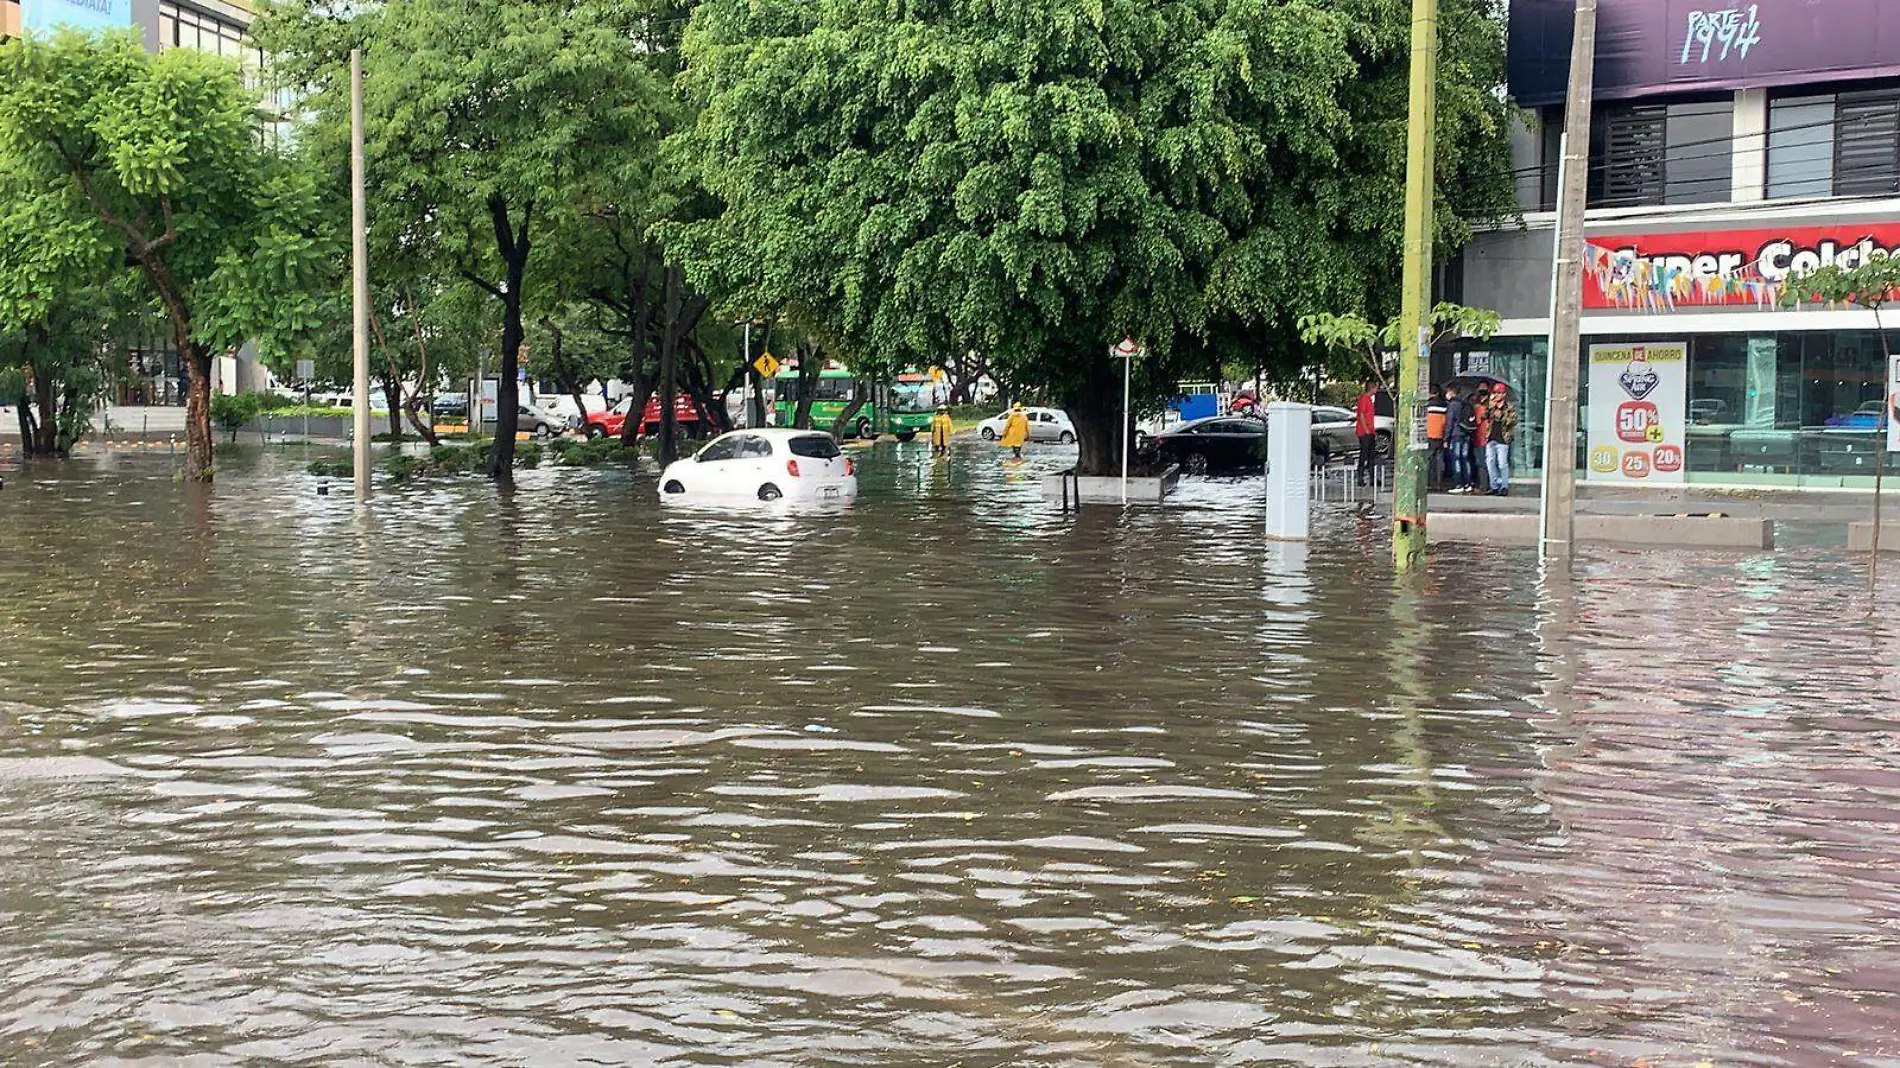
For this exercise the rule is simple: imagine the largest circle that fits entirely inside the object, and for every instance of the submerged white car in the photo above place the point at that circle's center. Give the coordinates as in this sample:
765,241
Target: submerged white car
1045,424
765,464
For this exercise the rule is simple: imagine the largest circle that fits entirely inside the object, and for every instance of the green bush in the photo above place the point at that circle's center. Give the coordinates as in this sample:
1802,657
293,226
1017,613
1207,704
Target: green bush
402,466
232,413
274,402
332,469
528,454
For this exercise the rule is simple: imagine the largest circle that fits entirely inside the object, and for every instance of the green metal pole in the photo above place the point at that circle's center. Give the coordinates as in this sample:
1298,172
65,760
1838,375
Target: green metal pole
1415,310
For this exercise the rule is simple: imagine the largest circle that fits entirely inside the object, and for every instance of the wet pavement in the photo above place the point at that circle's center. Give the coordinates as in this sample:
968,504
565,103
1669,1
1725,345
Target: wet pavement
945,777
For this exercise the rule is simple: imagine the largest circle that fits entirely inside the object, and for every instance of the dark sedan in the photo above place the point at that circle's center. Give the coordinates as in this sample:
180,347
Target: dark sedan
1219,443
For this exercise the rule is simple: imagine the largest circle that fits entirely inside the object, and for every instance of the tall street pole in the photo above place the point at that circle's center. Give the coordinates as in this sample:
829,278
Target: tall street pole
1409,502
359,270
1556,541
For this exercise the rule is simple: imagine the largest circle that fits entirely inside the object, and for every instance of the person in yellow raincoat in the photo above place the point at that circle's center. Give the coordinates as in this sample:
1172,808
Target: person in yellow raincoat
941,427
1016,431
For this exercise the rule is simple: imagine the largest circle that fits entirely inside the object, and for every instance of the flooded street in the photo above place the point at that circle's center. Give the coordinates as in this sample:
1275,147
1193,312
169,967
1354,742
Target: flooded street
946,777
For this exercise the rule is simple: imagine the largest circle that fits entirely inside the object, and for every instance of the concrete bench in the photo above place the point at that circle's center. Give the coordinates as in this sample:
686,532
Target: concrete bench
1657,531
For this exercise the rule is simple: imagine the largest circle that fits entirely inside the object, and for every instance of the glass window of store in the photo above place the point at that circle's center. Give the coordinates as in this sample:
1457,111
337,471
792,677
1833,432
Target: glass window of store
1789,408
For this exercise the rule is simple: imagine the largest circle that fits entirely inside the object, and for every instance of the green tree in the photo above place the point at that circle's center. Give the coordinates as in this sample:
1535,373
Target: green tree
1034,181
486,121
1873,285
114,158
1356,349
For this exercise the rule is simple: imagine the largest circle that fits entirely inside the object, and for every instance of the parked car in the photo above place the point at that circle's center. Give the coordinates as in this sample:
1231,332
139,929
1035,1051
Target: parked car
1045,424
765,464
1865,417
449,406
609,423
536,420
1216,444
1335,434
562,405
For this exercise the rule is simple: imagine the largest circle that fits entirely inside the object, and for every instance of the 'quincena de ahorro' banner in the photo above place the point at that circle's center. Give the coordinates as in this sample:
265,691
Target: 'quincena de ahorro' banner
1638,411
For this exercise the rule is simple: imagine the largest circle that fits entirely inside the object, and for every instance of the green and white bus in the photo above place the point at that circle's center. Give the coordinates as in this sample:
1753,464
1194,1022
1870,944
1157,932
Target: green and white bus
885,411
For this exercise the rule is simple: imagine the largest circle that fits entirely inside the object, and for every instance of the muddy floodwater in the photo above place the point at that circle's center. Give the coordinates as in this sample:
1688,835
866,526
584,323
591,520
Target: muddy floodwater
942,778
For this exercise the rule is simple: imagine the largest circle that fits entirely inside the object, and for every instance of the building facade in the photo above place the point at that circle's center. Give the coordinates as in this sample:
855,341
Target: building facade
1733,145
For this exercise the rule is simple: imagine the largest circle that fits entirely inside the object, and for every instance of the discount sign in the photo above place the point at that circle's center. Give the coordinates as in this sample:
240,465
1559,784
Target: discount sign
1638,411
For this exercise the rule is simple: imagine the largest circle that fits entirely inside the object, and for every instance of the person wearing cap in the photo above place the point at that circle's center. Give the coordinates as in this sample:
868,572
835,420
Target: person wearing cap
1501,427
1016,430
940,429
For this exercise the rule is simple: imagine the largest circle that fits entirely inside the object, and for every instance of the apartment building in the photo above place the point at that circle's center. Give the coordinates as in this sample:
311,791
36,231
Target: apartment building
1732,146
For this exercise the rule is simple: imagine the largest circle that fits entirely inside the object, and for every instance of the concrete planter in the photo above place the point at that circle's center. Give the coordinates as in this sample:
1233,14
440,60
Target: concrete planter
321,426
1088,489
1860,536
1653,531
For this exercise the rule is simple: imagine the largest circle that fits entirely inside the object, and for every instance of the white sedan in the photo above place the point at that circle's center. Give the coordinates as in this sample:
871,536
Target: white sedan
1045,424
765,464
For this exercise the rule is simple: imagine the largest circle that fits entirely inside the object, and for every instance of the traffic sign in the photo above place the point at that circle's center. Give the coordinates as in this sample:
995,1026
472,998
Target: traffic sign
1128,349
766,365
306,370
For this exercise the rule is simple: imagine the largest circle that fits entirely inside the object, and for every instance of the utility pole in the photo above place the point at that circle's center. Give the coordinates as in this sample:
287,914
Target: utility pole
1556,538
1409,446
359,270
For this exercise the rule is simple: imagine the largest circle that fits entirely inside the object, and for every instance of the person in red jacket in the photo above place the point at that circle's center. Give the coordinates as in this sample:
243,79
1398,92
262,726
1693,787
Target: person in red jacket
1366,426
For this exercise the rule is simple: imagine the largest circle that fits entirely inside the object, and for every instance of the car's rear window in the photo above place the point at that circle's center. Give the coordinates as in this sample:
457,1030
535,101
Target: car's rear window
815,446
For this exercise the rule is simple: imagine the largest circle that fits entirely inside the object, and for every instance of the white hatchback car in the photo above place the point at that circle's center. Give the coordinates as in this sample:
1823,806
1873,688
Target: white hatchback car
1045,424
765,464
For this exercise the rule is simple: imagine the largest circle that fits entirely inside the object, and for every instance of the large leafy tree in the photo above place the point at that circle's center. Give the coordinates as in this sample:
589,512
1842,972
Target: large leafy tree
487,122
1034,181
117,159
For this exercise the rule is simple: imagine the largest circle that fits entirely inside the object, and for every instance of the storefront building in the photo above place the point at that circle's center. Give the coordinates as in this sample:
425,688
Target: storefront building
1730,151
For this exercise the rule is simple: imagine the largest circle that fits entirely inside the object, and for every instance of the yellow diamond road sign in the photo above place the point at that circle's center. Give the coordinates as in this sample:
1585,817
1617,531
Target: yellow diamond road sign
767,365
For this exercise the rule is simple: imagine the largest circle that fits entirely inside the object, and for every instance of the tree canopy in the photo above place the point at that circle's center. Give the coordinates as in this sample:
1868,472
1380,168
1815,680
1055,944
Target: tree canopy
491,128
1037,180
112,158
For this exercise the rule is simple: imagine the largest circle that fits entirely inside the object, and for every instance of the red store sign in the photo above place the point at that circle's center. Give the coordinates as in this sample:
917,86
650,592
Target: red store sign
1720,268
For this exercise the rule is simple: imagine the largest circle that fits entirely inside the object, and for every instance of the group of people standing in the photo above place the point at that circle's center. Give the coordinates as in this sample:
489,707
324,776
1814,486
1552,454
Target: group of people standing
1470,436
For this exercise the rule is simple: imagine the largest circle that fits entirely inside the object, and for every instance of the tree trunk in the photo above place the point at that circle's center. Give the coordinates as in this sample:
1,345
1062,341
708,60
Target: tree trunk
669,370
392,398
29,432
562,372
513,244
47,430
699,384
198,440
1095,408
850,413
810,362
639,315
501,455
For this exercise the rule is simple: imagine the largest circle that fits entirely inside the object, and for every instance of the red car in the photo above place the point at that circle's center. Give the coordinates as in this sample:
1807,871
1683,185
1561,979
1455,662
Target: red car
612,421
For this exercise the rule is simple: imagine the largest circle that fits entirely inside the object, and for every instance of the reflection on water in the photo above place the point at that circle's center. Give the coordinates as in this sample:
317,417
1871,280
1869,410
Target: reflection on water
560,777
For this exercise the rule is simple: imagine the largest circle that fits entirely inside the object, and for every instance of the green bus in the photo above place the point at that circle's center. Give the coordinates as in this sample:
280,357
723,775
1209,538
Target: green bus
885,411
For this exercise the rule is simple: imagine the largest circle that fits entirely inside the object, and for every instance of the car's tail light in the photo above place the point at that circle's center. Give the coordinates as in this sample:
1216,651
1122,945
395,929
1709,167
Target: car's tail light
850,468
791,468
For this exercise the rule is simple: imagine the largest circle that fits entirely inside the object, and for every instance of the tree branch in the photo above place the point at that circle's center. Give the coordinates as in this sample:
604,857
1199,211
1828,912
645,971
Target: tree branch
489,287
